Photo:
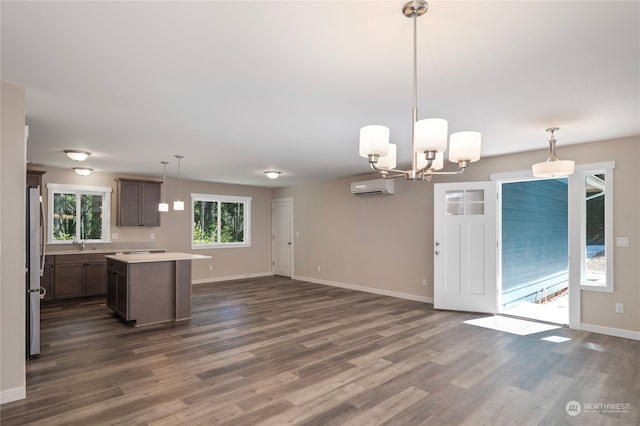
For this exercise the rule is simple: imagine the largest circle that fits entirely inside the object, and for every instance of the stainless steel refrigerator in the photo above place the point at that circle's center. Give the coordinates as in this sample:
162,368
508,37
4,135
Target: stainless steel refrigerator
34,268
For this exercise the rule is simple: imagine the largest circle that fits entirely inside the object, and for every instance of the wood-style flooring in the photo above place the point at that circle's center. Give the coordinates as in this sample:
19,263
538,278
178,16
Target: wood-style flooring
276,351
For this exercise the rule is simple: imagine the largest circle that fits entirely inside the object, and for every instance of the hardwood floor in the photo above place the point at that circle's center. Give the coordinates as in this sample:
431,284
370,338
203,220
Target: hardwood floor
276,351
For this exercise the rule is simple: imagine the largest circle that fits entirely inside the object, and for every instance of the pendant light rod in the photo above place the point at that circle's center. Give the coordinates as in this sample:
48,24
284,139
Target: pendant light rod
178,204
163,206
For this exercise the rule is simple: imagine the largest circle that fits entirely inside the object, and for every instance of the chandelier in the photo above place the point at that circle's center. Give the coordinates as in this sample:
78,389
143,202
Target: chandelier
428,136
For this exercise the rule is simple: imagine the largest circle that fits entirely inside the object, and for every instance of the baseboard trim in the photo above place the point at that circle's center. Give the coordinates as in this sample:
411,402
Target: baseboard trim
13,394
381,292
231,278
616,332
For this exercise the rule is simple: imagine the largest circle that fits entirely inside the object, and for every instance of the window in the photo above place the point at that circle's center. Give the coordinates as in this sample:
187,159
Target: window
220,221
596,227
78,213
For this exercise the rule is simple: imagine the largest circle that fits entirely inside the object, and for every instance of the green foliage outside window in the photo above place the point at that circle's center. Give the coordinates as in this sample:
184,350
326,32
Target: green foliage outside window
66,212
218,222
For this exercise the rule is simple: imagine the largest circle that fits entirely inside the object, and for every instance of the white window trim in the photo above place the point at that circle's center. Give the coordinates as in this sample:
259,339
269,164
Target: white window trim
224,199
80,189
577,252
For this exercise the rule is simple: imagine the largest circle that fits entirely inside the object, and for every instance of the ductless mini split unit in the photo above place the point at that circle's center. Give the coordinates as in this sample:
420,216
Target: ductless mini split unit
373,187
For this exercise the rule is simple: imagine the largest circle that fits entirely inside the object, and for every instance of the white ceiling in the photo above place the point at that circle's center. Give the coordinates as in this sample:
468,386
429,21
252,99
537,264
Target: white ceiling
242,87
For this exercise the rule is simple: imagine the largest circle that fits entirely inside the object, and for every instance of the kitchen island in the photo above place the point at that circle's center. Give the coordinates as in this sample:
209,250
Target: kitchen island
150,288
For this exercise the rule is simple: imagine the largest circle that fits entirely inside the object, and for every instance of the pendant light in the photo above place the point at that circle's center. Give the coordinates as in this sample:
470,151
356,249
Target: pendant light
163,206
553,167
178,204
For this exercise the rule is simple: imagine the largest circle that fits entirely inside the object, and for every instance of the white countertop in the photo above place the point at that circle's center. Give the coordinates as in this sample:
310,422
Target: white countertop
155,257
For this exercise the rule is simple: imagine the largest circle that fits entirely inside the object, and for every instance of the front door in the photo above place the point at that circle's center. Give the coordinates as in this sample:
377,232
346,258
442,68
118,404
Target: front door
282,213
465,247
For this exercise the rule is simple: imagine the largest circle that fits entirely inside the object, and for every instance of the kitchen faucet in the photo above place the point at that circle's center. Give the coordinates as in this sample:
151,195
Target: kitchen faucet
80,243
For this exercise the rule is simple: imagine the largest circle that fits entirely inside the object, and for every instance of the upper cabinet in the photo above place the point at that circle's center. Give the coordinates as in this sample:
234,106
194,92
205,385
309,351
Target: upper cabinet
138,202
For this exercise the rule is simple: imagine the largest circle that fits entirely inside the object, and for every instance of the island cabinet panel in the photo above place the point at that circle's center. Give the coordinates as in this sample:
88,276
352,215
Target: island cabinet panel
150,288
138,202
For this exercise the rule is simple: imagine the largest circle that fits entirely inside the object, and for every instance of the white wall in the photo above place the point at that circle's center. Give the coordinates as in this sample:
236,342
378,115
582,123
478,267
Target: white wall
12,244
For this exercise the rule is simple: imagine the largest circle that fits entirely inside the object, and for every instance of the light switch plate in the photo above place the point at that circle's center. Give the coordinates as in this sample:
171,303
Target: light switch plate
622,241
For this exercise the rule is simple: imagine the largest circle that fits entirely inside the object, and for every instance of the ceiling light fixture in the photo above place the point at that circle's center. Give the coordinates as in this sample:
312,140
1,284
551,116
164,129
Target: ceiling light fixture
553,167
272,174
178,204
77,155
428,136
82,171
164,206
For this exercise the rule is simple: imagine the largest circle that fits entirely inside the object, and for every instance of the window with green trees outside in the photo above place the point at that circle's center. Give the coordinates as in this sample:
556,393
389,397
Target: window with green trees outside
220,221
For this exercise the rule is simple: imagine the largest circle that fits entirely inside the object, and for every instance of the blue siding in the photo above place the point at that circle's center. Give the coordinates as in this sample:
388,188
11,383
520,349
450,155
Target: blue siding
534,239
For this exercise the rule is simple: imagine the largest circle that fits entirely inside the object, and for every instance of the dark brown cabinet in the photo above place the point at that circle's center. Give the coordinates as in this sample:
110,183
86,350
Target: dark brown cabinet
138,202
79,275
47,281
118,289
34,178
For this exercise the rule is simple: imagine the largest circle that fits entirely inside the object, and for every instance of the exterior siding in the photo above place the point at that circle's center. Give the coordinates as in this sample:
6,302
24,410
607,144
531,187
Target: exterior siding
534,240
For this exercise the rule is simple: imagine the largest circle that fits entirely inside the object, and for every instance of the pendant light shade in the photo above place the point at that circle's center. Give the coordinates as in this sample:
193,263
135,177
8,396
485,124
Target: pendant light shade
374,140
553,167
178,204
163,206
465,146
388,162
431,135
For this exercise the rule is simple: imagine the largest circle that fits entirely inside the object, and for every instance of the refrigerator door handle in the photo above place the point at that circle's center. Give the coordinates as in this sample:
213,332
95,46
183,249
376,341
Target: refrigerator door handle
43,230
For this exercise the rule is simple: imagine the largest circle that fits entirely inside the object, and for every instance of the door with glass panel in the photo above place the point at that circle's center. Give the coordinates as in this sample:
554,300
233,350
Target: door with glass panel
465,247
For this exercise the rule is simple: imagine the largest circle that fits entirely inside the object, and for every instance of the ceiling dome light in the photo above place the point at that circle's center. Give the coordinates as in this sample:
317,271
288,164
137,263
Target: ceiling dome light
272,174
77,155
82,171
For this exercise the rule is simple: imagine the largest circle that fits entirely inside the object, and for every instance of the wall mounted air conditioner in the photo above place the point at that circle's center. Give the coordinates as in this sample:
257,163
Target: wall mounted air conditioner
373,187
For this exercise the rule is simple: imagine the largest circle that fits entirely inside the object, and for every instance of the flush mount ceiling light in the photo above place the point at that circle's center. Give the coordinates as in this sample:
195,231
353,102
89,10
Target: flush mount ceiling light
77,155
553,167
82,171
428,136
164,206
272,174
178,204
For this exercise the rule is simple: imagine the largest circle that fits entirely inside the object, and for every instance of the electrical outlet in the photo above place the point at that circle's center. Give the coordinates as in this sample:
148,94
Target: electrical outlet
619,308
622,241
318,268
114,236
211,267
153,236
424,282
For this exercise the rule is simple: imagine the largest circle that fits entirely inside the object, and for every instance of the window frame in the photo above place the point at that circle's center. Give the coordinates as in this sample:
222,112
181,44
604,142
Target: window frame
581,172
105,192
246,201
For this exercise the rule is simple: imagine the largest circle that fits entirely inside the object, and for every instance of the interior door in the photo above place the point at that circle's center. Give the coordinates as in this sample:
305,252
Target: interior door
465,247
282,212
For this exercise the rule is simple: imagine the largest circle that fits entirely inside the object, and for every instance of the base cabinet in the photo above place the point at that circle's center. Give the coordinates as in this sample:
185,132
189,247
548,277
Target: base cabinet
47,281
118,290
79,275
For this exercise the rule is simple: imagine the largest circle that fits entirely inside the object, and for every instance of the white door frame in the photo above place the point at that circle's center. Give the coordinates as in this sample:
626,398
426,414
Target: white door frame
574,290
273,252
